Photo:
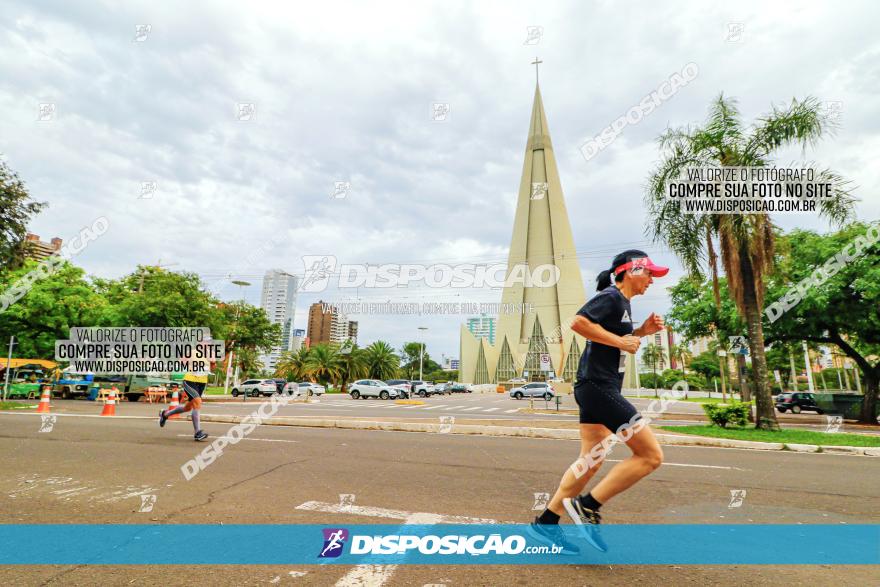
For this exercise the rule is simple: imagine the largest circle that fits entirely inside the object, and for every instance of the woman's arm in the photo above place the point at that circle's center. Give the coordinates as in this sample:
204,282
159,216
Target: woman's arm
592,331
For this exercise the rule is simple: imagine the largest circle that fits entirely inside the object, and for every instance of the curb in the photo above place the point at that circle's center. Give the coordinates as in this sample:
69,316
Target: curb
548,433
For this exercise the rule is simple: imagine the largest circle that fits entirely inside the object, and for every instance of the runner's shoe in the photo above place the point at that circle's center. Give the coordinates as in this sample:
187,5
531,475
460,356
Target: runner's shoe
587,520
200,435
552,534
162,418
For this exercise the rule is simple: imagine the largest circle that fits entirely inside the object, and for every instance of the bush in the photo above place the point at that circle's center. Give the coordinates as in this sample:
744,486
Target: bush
696,382
736,413
670,377
647,380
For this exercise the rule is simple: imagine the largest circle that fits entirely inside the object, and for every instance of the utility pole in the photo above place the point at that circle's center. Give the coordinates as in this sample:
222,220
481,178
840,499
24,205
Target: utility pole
8,363
231,353
422,352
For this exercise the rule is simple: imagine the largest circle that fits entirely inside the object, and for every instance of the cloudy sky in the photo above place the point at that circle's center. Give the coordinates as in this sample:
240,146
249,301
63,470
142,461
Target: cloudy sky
344,91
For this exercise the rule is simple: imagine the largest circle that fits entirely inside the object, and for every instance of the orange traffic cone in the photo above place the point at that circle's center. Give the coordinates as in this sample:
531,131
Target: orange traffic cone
110,404
43,408
174,403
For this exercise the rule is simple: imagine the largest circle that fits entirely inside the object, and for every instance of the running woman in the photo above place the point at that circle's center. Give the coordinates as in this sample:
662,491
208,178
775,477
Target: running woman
606,321
194,384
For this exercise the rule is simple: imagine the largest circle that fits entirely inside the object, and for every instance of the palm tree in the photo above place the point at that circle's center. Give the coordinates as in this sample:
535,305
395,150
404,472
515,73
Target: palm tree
682,353
352,364
652,355
323,363
747,240
382,362
293,366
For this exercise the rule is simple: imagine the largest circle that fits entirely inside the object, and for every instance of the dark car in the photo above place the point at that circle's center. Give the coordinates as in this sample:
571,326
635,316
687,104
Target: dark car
280,383
797,402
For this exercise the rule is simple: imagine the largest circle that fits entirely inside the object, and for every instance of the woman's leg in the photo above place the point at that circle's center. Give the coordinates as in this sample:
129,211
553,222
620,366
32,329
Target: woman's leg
572,484
647,456
195,404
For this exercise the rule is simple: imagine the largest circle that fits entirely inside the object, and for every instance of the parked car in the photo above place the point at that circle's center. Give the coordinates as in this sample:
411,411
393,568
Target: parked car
455,387
364,388
403,386
308,388
442,388
422,388
255,387
797,402
544,390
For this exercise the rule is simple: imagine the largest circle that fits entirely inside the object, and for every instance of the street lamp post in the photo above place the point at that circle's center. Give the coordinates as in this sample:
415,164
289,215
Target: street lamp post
242,285
422,353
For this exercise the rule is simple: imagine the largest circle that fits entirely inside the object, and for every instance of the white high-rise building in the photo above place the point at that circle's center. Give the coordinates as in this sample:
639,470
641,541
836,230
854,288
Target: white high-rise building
278,300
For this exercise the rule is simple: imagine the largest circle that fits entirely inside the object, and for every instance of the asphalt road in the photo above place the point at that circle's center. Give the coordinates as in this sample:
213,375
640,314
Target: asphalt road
94,470
471,407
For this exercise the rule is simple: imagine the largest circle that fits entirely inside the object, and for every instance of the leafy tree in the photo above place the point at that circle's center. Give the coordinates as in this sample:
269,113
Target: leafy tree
16,210
746,241
163,298
706,364
49,310
382,361
841,310
409,356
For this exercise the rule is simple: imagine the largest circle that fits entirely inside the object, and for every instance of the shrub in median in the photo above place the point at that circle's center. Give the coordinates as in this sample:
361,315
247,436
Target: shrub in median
736,413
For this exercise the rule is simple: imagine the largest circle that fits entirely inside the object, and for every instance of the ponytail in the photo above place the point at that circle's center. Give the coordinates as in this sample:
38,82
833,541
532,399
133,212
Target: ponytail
603,280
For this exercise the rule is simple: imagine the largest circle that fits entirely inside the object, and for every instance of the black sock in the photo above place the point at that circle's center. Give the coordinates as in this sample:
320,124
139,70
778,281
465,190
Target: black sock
548,517
590,502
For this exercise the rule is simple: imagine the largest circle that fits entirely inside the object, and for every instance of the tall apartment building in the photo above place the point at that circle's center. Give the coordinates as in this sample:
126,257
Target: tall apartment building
38,250
327,324
278,300
482,326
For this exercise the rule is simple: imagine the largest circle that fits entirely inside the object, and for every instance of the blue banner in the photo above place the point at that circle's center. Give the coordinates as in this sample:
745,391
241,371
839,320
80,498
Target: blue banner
472,544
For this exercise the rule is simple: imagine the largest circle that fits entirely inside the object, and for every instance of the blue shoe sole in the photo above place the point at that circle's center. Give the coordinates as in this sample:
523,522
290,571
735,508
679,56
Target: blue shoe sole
586,532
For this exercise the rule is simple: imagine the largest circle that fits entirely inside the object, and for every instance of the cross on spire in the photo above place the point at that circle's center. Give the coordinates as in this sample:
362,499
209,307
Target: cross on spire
536,62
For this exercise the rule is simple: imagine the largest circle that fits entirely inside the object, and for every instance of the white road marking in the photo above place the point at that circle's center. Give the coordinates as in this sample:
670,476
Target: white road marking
491,409
454,408
377,575
367,576
248,438
435,407
665,464
472,409
511,411
360,510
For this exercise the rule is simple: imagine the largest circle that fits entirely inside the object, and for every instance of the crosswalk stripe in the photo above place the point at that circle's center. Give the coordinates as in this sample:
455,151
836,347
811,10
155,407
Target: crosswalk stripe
491,409
453,408
435,407
471,409
511,411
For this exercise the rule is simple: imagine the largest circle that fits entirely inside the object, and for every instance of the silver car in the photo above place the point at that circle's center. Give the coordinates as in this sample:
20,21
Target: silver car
544,390
364,388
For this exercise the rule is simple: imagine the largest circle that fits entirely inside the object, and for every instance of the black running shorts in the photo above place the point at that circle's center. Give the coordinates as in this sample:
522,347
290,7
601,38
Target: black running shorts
602,403
194,389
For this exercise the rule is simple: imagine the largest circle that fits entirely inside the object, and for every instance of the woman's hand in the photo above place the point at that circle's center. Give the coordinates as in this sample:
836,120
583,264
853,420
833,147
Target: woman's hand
652,325
630,343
